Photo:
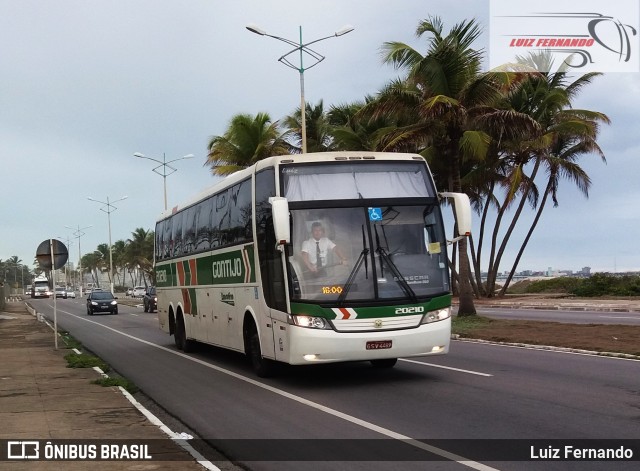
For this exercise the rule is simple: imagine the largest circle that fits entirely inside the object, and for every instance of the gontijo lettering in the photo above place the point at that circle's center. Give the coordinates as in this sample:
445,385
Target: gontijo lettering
227,268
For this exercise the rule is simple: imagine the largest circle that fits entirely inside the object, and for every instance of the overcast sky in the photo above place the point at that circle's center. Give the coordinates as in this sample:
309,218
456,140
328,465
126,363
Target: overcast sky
86,83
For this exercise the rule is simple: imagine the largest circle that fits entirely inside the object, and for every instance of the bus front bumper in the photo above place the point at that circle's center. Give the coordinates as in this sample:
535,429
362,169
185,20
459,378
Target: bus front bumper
307,346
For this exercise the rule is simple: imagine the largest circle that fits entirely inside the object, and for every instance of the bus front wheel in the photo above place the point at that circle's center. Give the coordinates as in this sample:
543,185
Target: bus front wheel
263,367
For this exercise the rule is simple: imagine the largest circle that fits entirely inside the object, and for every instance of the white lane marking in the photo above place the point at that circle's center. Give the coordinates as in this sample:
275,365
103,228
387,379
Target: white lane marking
621,317
349,418
446,367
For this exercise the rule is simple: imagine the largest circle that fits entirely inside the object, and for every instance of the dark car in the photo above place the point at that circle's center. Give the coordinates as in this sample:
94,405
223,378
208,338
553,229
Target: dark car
150,300
101,301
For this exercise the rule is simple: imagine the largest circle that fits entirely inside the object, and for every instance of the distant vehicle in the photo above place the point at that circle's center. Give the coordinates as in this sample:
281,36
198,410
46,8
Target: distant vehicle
138,291
71,294
129,292
61,292
101,301
150,300
40,288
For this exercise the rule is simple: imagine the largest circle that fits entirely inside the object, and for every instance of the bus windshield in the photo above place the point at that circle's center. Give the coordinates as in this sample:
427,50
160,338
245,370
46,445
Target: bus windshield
364,253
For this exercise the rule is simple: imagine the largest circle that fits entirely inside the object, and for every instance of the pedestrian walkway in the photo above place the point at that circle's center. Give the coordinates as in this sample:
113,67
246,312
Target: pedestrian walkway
41,399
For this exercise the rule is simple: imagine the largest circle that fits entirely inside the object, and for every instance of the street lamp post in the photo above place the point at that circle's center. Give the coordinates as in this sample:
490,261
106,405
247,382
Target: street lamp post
79,233
109,208
301,48
164,165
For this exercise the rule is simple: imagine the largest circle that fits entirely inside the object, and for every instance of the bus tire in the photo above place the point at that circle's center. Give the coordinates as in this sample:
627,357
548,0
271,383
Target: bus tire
385,363
180,337
263,367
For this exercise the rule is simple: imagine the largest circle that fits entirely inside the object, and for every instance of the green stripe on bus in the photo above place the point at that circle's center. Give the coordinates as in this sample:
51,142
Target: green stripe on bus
233,267
314,310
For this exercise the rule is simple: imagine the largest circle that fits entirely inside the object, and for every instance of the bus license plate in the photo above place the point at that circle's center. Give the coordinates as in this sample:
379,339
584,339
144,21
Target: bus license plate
378,344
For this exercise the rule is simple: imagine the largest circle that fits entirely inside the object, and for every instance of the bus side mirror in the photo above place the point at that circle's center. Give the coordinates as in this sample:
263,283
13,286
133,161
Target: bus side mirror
462,208
280,214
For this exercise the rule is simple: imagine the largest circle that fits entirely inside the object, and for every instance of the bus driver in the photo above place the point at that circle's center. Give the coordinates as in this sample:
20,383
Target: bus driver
317,247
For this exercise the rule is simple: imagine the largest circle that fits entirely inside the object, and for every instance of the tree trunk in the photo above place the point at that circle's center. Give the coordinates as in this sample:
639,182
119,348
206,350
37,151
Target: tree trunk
478,261
526,239
516,216
466,306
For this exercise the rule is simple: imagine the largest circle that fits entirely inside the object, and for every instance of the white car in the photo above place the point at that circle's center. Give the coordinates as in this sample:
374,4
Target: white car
71,294
138,291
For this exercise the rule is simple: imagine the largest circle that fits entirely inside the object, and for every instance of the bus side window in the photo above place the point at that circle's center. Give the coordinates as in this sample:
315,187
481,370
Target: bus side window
158,249
203,224
166,239
188,230
176,234
221,228
213,223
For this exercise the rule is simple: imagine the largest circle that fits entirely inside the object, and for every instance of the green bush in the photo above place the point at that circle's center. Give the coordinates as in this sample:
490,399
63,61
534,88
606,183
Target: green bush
606,284
598,284
564,284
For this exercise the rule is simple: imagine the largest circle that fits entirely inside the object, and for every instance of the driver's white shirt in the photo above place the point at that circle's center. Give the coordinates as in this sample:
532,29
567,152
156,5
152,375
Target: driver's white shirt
325,245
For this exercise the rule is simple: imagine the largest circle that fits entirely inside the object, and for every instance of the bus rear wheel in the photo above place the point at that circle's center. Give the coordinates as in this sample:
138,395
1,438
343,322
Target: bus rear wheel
180,337
385,363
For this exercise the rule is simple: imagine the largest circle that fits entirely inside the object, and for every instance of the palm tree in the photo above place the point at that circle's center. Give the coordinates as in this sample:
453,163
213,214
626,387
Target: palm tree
247,140
119,259
318,129
14,262
354,128
567,134
140,252
93,262
452,112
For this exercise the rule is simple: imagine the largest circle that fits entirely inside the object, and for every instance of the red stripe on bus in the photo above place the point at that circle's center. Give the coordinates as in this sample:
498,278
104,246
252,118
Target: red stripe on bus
194,272
186,299
180,270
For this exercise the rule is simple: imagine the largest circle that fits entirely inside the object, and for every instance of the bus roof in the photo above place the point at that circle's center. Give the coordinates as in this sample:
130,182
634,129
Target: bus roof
289,158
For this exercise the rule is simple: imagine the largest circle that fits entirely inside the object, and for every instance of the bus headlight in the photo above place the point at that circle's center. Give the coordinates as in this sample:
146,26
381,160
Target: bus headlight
437,315
309,322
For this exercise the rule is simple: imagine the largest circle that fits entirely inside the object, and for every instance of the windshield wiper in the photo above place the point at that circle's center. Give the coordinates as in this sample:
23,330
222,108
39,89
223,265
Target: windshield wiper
394,269
354,271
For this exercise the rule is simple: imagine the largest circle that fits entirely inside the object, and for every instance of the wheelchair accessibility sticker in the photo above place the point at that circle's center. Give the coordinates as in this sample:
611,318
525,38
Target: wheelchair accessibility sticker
375,214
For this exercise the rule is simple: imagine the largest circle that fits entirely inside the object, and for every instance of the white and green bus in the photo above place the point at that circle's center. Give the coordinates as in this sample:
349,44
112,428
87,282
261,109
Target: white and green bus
237,267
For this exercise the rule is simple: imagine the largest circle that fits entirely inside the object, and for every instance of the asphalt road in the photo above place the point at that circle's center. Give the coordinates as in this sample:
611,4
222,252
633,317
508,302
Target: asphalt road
484,393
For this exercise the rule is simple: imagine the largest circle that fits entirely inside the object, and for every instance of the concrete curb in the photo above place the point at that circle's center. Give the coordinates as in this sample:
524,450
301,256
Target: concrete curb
560,307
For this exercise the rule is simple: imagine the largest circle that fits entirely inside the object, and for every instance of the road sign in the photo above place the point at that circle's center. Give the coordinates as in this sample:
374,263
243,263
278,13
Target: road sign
52,248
